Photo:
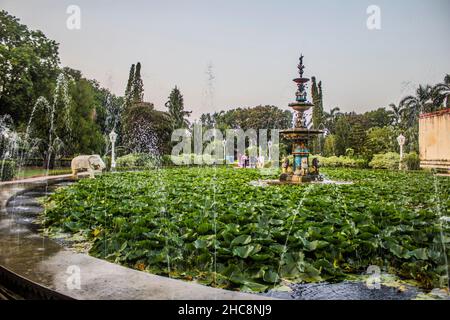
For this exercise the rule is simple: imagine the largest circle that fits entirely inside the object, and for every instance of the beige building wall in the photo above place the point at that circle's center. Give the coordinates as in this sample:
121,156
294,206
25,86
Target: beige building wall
434,139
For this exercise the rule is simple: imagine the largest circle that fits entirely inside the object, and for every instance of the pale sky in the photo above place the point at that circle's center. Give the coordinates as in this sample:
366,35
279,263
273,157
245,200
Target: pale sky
253,47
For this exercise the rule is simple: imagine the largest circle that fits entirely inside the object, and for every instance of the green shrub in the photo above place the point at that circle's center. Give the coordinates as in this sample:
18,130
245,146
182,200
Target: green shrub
329,145
349,152
336,162
166,160
8,170
107,160
269,164
135,160
411,161
57,172
340,162
127,169
388,160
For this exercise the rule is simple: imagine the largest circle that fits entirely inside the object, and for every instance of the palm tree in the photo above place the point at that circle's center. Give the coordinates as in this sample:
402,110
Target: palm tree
441,92
426,99
410,109
413,106
331,117
396,113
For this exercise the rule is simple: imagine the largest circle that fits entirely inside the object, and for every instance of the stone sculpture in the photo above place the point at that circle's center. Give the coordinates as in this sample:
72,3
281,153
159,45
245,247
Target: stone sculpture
91,164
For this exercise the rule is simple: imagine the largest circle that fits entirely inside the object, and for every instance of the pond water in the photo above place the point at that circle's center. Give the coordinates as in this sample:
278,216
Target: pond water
346,290
25,209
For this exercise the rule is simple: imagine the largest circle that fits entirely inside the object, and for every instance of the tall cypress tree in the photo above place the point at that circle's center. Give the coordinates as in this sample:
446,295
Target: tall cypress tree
316,92
317,115
129,87
176,109
137,95
320,113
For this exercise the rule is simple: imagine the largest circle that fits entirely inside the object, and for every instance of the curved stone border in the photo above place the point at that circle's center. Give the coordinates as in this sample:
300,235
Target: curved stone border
45,263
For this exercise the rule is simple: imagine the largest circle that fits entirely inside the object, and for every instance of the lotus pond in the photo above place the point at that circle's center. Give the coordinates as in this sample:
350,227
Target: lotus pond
211,225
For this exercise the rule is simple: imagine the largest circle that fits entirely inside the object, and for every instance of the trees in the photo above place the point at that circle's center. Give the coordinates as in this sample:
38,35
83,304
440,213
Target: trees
147,130
56,109
85,135
396,114
134,91
378,118
350,132
65,124
427,98
134,95
207,120
411,107
175,106
259,117
316,92
137,90
414,105
357,135
317,114
49,124
379,140
330,118
108,108
441,93
342,135
329,146
129,87
28,68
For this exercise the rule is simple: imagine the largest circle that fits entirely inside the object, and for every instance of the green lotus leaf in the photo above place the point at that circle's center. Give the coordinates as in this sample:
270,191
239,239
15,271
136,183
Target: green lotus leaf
243,251
241,240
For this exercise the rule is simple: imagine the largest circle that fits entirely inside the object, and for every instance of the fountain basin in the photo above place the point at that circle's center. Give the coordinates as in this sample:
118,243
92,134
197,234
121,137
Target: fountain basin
301,106
295,134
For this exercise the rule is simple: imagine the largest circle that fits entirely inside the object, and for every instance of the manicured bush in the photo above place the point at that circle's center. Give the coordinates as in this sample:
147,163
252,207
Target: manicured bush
127,169
411,161
350,152
135,160
166,160
329,145
341,162
8,170
388,160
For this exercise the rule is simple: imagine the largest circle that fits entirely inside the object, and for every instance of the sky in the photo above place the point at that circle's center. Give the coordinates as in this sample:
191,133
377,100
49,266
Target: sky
242,53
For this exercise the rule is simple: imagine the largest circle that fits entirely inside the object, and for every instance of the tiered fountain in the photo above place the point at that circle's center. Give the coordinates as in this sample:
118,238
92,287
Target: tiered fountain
299,135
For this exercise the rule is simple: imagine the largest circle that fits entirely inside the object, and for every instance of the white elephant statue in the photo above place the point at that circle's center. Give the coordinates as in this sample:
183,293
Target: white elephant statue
91,164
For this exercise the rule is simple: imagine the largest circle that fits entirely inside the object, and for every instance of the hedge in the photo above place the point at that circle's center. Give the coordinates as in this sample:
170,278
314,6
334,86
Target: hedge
340,162
390,160
8,170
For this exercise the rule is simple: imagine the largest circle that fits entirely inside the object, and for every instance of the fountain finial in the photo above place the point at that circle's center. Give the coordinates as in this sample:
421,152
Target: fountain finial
301,66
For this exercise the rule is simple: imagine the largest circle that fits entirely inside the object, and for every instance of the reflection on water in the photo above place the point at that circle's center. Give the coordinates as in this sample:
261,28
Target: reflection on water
346,290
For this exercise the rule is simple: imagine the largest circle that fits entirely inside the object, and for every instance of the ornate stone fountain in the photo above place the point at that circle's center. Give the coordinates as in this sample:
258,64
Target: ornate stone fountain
301,169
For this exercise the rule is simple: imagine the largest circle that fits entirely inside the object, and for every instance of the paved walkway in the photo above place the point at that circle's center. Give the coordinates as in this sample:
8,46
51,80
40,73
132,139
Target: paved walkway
45,262
35,179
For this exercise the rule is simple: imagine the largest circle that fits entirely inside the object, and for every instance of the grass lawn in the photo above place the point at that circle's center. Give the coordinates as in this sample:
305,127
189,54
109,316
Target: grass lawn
212,226
28,172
